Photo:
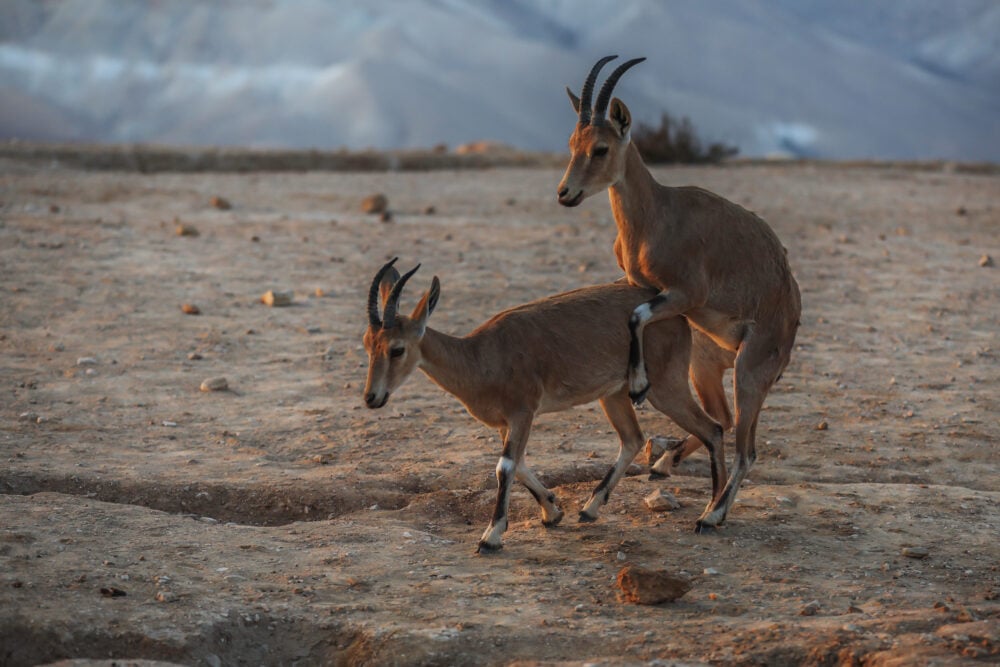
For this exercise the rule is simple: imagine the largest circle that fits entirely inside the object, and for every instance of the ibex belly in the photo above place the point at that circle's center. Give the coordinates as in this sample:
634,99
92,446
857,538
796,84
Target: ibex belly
727,332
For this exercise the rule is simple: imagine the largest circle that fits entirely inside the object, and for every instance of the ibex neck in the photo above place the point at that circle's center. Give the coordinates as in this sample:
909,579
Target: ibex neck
632,197
449,361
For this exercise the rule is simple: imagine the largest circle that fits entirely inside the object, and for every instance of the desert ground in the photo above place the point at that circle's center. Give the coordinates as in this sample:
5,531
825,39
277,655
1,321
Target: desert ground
281,522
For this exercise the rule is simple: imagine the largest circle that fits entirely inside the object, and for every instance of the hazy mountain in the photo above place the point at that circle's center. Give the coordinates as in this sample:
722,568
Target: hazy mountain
841,79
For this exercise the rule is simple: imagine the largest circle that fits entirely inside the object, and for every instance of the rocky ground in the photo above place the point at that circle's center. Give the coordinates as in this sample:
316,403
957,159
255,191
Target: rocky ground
279,521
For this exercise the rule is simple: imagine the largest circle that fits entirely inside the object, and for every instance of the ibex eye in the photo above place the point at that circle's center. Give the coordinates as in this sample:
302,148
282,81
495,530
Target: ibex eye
600,151
397,352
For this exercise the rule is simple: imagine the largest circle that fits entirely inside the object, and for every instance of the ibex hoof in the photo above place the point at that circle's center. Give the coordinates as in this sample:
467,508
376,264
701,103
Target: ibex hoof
653,475
638,396
702,528
554,521
586,518
487,548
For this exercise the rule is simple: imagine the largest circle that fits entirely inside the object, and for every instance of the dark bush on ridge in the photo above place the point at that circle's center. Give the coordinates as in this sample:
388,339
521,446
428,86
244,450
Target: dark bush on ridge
676,141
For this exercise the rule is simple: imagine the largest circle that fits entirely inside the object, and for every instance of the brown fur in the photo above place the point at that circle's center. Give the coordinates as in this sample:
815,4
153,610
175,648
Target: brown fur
714,262
545,356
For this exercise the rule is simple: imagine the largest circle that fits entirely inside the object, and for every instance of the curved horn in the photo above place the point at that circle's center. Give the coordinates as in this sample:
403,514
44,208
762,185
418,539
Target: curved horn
373,317
392,303
587,92
604,96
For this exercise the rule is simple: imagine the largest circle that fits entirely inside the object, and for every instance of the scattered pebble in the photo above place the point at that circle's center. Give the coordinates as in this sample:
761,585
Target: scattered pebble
220,203
190,309
28,417
319,292
277,299
184,229
710,571
961,210
86,361
376,203
385,216
661,501
640,585
214,384
656,446
166,596
195,356
169,424
429,210
985,261
810,609
112,592
822,426
916,552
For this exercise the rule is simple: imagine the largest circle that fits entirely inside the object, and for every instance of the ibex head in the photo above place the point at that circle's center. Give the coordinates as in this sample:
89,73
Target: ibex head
393,341
597,145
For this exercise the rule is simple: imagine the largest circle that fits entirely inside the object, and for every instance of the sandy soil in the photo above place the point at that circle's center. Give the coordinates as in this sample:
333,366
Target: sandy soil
281,522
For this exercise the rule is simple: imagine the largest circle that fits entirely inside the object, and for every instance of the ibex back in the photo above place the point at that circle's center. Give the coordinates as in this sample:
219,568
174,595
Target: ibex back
712,261
544,356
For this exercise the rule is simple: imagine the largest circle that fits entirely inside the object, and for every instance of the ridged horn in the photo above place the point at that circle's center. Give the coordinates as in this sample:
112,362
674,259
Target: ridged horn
604,96
373,317
587,92
392,303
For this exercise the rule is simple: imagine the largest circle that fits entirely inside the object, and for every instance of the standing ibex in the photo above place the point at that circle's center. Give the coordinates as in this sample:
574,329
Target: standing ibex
544,356
714,262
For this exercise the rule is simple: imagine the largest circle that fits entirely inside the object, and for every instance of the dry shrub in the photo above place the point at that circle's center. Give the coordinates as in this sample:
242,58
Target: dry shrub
676,141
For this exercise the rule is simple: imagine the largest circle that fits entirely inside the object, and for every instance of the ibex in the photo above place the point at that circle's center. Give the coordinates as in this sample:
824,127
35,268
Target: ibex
712,261
544,356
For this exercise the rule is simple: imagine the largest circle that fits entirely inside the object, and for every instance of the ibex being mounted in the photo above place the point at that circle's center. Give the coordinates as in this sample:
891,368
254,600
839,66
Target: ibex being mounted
544,356
712,261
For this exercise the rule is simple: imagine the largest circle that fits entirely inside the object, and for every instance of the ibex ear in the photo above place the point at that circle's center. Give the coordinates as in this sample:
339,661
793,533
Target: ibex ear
574,99
620,117
388,280
426,306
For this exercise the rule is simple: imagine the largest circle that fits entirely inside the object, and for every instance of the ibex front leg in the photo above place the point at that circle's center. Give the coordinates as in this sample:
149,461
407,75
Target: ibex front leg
513,452
669,303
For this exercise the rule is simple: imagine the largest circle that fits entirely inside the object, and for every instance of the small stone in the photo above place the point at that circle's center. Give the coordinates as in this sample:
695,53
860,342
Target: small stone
376,203
319,292
710,571
112,592
86,361
985,261
657,446
640,585
385,216
190,309
661,501
277,299
961,210
810,609
169,424
166,596
822,426
214,384
429,210
916,552
220,203
28,417
184,229
195,356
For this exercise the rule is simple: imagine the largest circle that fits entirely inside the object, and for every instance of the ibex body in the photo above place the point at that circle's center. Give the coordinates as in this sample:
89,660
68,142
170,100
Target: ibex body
544,356
712,261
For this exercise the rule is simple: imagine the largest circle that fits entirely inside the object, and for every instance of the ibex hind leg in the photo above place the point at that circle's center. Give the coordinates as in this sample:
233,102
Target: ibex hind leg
758,365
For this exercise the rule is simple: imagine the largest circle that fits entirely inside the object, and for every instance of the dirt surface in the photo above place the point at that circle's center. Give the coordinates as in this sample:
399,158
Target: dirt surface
281,522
